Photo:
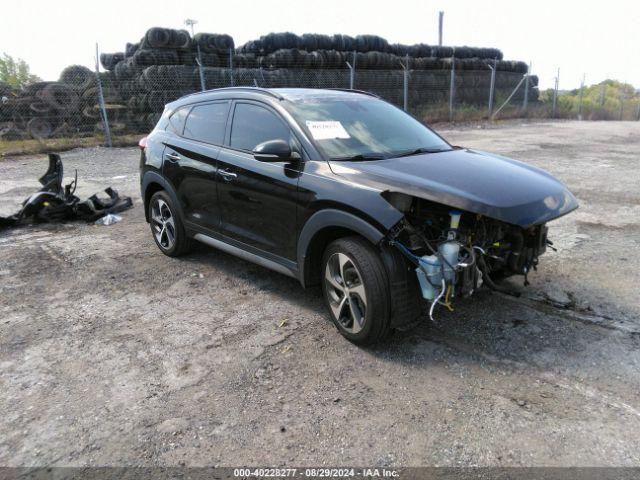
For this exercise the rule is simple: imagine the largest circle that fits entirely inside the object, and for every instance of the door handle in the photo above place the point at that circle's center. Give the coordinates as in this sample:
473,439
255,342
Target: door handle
227,175
172,157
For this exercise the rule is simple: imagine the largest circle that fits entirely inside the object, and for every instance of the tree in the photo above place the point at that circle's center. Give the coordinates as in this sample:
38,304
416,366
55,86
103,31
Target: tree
15,72
607,100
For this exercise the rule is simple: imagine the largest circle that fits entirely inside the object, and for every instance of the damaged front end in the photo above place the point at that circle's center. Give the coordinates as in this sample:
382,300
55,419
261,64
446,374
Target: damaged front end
455,252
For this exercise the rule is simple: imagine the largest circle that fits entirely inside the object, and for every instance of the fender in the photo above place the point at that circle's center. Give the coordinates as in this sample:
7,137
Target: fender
404,290
155,177
330,218
403,283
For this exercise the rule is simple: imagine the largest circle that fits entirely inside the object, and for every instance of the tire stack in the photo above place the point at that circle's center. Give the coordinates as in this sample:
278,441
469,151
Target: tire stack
7,125
163,66
63,108
379,64
311,60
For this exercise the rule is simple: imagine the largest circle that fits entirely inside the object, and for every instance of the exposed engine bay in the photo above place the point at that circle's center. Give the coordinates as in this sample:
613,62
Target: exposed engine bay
456,252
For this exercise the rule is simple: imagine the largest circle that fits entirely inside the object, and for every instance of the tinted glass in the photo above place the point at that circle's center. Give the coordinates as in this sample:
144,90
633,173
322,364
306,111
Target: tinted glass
176,121
346,126
206,122
253,125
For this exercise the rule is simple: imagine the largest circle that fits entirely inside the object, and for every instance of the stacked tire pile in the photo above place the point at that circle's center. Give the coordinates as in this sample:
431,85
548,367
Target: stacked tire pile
64,108
167,64
312,60
162,66
136,85
6,124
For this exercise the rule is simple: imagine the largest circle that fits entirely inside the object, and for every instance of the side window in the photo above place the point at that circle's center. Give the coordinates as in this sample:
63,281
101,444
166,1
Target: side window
176,120
253,125
206,122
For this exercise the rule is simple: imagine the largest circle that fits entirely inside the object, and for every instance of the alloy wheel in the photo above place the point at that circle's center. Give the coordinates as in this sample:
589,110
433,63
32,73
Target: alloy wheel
163,224
346,293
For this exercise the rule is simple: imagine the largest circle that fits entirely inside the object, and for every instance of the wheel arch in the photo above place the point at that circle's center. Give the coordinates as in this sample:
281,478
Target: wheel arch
322,228
328,225
153,182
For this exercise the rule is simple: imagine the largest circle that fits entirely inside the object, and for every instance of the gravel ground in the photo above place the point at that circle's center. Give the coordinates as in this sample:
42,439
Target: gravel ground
113,354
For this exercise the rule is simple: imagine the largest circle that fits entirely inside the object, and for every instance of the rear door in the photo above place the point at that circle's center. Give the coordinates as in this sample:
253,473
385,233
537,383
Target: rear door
190,161
258,199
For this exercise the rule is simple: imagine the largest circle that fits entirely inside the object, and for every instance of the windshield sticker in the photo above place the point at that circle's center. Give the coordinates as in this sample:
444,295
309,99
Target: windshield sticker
326,130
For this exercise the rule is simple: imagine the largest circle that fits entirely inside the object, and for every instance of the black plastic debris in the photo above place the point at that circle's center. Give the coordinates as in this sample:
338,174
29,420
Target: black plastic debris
55,203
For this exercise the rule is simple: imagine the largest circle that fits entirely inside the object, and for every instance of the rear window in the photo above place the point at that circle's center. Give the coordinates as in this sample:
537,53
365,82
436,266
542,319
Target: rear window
176,120
206,123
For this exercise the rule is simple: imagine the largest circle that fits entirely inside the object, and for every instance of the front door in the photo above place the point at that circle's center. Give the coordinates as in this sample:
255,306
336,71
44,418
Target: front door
257,199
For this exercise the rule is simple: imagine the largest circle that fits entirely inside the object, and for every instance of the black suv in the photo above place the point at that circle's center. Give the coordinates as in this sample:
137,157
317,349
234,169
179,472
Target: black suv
342,189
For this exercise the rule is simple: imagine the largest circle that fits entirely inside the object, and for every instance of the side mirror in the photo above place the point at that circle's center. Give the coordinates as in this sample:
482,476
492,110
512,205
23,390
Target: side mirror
274,151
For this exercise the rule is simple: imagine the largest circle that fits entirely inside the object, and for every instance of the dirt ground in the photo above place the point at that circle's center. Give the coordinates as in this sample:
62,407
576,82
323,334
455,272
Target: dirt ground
113,354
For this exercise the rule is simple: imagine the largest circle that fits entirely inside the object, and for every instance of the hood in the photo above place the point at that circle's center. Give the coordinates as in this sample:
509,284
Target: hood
478,182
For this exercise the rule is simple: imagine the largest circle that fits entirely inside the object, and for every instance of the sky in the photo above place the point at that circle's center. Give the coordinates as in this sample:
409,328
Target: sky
593,38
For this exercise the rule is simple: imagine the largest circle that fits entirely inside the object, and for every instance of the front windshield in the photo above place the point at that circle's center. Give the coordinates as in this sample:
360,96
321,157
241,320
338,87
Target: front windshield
360,127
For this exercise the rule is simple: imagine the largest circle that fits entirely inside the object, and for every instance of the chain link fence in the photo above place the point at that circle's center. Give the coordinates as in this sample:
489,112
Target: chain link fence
129,95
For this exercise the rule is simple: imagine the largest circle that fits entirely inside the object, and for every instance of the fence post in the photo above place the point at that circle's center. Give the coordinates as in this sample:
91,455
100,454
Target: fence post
621,104
638,114
405,85
492,86
525,99
352,71
264,82
580,99
555,95
200,69
452,84
103,108
231,67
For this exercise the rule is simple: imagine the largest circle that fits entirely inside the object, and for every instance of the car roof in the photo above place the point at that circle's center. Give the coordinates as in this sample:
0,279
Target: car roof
290,94
297,94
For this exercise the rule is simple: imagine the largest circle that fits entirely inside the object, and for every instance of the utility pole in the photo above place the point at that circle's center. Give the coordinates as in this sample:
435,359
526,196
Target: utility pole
190,22
440,18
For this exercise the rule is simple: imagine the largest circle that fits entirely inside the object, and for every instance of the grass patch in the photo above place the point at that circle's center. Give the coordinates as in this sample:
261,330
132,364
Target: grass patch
34,146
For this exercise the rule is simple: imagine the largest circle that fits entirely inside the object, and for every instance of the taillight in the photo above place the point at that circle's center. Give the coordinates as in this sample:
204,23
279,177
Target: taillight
142,143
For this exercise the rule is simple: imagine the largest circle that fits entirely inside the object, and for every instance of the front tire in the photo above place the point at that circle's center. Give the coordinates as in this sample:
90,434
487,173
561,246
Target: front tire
355,289
166,226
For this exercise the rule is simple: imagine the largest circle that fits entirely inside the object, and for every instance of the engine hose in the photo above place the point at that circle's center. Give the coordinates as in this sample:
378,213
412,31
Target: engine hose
407,253
487,279
433,304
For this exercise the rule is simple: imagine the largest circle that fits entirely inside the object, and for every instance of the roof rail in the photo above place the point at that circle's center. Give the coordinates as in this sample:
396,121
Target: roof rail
364,92
249,89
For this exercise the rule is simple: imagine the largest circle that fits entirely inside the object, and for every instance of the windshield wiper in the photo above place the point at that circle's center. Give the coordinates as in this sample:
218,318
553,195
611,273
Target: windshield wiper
360,157
418,151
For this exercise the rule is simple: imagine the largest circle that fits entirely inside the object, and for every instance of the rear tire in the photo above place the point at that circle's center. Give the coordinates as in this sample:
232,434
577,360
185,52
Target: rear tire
355,289
166,226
